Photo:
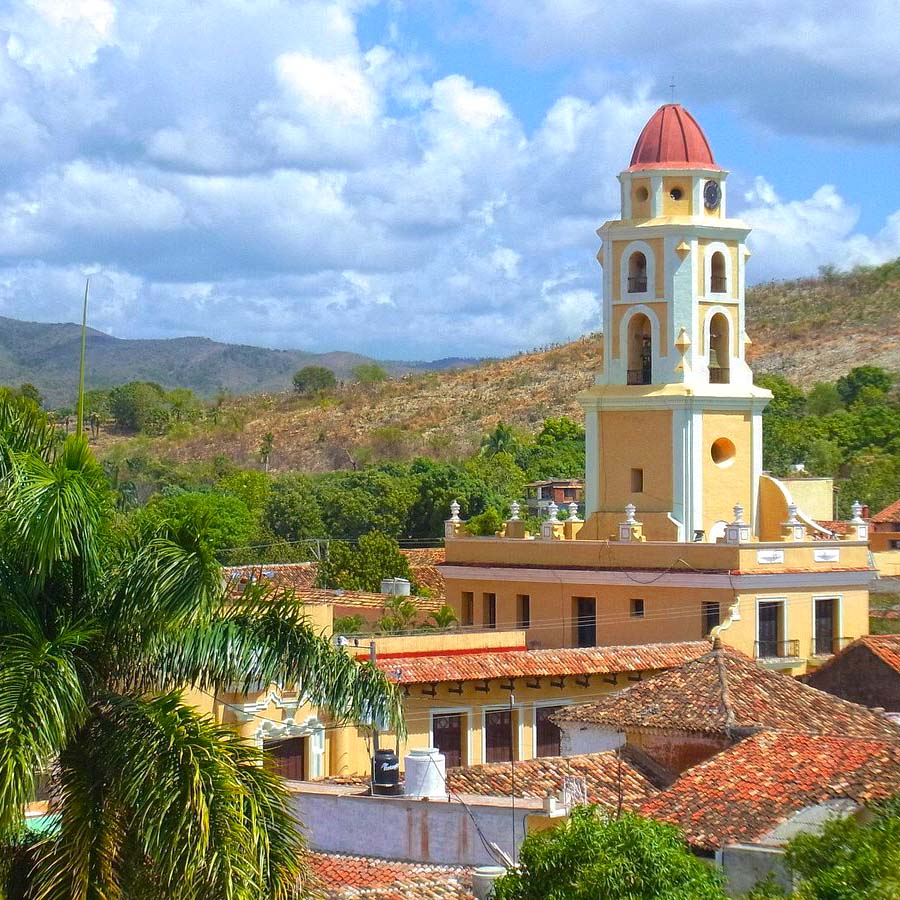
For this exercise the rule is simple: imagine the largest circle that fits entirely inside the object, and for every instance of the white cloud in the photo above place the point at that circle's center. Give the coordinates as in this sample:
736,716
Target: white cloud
251,172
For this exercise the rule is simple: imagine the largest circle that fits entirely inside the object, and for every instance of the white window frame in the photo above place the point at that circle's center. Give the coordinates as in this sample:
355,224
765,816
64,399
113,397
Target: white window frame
709,250
839,621
785,621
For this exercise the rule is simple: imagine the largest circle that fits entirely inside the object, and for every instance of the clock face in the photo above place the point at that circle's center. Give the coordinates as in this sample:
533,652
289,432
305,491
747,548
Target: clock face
712,194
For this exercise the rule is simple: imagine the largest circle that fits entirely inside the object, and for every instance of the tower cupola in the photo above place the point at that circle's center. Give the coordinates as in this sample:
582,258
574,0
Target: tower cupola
672,139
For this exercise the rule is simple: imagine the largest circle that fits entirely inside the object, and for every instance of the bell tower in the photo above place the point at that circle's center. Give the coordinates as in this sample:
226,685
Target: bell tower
674,421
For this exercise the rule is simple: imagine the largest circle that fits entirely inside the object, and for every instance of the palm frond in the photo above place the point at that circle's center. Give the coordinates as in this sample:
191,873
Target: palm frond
24,428
42,703
262,639
56,509
184,793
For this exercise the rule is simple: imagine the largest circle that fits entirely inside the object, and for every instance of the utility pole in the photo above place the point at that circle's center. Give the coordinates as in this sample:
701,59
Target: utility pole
372,659
512,772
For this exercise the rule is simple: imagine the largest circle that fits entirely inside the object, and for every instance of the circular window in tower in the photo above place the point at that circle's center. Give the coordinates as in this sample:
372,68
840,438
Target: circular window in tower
676,193
641,194
722,452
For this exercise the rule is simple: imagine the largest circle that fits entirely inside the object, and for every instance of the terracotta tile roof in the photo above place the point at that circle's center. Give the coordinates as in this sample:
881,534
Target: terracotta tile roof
342,876
885,646
835,526
742,793
423,564
500,663
725,692
884,613
888,514
602,772
360,599
296,576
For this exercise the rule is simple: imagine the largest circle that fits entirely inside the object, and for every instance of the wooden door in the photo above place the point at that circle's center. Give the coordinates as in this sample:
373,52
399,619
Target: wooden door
448,737
498,736
548,734
287,758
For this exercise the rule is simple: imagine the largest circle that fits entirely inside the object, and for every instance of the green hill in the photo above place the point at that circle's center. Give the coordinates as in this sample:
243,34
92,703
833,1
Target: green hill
47,356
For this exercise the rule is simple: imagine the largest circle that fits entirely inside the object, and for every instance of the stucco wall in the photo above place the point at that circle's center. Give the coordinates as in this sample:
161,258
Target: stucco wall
402,828
861,677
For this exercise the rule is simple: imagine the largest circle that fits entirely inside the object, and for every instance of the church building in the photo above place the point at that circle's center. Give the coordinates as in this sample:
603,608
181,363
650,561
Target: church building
683,532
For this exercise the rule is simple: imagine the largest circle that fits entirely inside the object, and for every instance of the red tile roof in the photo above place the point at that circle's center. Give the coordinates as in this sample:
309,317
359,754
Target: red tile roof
890,513
342,876
423,563
672,138
604,774
885,646
725,692
744,792
477,666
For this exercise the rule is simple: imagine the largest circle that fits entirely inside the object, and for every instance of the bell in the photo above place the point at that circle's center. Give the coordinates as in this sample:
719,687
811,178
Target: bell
714,360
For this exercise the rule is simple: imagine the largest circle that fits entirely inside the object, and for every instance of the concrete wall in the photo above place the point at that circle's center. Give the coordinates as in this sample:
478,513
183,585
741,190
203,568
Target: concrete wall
578,739
745,865
416,830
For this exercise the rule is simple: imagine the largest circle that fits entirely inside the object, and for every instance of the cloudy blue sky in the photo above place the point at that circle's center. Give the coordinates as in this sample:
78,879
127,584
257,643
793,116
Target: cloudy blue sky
413,179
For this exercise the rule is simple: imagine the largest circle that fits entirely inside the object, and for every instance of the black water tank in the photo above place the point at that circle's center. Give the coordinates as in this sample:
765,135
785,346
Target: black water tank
386,773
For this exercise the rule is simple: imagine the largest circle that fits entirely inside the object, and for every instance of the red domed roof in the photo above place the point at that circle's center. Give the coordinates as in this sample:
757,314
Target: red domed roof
672,139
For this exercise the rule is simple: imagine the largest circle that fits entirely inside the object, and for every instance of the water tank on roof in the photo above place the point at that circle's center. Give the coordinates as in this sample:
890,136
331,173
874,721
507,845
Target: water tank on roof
386,773
426,772
397,587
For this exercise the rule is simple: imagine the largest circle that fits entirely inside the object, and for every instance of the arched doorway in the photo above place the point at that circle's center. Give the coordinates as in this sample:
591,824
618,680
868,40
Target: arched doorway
719,355
640,350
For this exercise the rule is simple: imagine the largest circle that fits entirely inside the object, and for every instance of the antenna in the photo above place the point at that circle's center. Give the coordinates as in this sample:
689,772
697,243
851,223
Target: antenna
672,87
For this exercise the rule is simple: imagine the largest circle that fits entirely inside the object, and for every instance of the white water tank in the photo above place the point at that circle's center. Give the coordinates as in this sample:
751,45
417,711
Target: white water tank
397,587
426,772
483,879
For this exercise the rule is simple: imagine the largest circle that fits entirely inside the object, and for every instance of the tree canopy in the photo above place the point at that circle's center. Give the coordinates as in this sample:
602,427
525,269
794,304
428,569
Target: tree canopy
102,626
595,855
312,380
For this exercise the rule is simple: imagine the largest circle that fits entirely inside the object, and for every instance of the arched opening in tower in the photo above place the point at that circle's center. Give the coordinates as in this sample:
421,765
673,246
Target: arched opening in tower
718,282
637,273
640,350
719,362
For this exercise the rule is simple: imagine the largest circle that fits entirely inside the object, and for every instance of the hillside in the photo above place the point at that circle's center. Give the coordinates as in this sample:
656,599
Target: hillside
814,329
809,330
47,356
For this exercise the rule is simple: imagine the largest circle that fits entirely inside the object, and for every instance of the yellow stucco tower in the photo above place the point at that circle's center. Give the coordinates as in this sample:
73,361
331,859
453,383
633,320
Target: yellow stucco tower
673,421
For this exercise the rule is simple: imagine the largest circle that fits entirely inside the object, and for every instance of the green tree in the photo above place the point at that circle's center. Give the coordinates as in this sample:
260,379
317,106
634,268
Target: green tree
100,631
139,406
849,860
400,614
224,519
850,386
823,398
312,380
266,446
442,619
372,499
502,439
369,373
292,511
29,391
787,398
502,480
362,567
562,429
250,486
593,855
486,524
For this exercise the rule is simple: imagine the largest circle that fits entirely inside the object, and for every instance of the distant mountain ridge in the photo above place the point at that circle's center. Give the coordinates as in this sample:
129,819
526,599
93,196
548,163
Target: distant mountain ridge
46,354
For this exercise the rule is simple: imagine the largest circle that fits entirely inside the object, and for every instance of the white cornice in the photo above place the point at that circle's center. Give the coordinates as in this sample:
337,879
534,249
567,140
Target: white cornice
711,580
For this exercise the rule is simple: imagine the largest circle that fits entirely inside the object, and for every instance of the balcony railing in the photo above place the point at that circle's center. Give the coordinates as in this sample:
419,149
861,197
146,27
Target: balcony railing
719,376
718,284
637,284
777,649
827,646
638,376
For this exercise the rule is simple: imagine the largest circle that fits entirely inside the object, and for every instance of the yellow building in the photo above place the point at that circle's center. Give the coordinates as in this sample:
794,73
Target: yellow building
683,531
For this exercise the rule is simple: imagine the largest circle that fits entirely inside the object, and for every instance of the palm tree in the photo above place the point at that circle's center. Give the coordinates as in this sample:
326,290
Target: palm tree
501,440
399,615
100,631
442,619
